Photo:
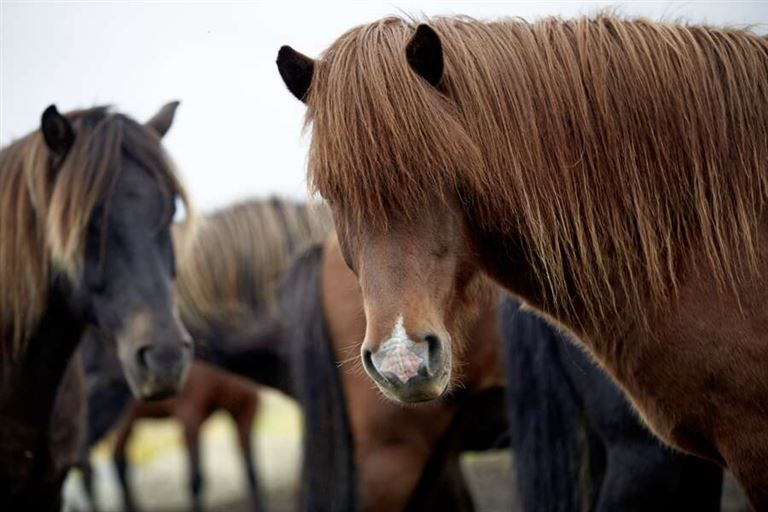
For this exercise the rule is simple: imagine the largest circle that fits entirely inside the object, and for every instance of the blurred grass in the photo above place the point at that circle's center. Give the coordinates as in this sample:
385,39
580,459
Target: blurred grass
278,417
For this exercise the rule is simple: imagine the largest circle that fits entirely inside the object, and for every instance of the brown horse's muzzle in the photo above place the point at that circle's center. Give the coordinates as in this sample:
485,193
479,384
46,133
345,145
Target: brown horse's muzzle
410,368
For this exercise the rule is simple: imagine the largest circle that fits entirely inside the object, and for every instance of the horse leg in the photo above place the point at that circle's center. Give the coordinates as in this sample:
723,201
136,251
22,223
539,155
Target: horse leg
192,439
121,463
86,470
244,421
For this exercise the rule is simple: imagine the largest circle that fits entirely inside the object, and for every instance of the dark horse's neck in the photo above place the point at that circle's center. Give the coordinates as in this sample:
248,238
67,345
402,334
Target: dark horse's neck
27,398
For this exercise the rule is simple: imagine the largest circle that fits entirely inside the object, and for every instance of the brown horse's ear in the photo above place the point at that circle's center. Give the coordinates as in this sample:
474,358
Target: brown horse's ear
297,70
57,132
425,54
162,121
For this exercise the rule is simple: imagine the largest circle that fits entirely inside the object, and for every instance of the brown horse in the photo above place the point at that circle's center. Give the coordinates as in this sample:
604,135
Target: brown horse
207,390
611,173
86,204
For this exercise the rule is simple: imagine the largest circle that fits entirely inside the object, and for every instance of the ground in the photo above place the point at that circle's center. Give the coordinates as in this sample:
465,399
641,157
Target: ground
159,468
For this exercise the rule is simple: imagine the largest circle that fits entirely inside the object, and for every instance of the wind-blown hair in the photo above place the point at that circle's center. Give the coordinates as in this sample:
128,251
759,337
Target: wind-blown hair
44,211
621,147
232,264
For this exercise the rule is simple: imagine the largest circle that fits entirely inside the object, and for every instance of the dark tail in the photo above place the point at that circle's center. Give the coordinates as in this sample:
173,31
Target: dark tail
544,414
328,474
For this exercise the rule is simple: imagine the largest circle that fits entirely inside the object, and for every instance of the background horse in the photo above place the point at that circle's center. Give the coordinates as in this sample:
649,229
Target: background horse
86,203
228,282
549,156
206,391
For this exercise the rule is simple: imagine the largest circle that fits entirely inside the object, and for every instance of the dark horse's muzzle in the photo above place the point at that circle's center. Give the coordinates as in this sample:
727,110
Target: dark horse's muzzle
155,357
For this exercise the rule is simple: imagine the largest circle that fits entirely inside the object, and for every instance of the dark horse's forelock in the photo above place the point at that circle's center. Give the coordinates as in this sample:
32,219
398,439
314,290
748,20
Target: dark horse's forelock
44,211
622,146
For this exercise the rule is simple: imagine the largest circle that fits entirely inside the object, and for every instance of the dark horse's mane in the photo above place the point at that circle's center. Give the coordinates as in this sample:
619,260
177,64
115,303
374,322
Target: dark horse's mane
44,211
233,259
623,146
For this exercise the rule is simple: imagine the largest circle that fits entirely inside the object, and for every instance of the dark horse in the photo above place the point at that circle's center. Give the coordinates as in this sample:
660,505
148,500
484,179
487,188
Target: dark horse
86,204
611,173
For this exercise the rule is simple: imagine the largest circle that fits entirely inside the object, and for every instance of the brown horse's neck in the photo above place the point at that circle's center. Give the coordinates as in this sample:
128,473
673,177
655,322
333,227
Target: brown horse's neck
504,258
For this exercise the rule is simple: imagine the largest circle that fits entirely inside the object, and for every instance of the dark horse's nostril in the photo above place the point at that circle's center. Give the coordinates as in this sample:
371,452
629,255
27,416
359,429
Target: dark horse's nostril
434,351
163,360
142,354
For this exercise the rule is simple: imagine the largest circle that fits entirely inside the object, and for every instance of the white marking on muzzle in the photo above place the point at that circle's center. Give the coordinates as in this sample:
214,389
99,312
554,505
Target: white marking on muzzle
399,354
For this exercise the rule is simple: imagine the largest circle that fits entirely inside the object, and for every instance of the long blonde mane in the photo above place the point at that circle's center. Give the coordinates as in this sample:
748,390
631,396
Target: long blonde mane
232,264
44,212
615,150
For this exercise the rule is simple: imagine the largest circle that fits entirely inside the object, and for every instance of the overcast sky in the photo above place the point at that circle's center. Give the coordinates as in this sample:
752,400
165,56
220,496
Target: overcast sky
238,131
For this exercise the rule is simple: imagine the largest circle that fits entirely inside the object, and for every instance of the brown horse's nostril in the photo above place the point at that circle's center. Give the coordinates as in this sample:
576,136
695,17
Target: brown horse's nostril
434,353
368,363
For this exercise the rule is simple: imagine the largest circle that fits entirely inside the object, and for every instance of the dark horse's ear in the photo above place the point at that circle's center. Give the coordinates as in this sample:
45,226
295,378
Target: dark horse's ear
57,132
296,69
425,54
162,121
